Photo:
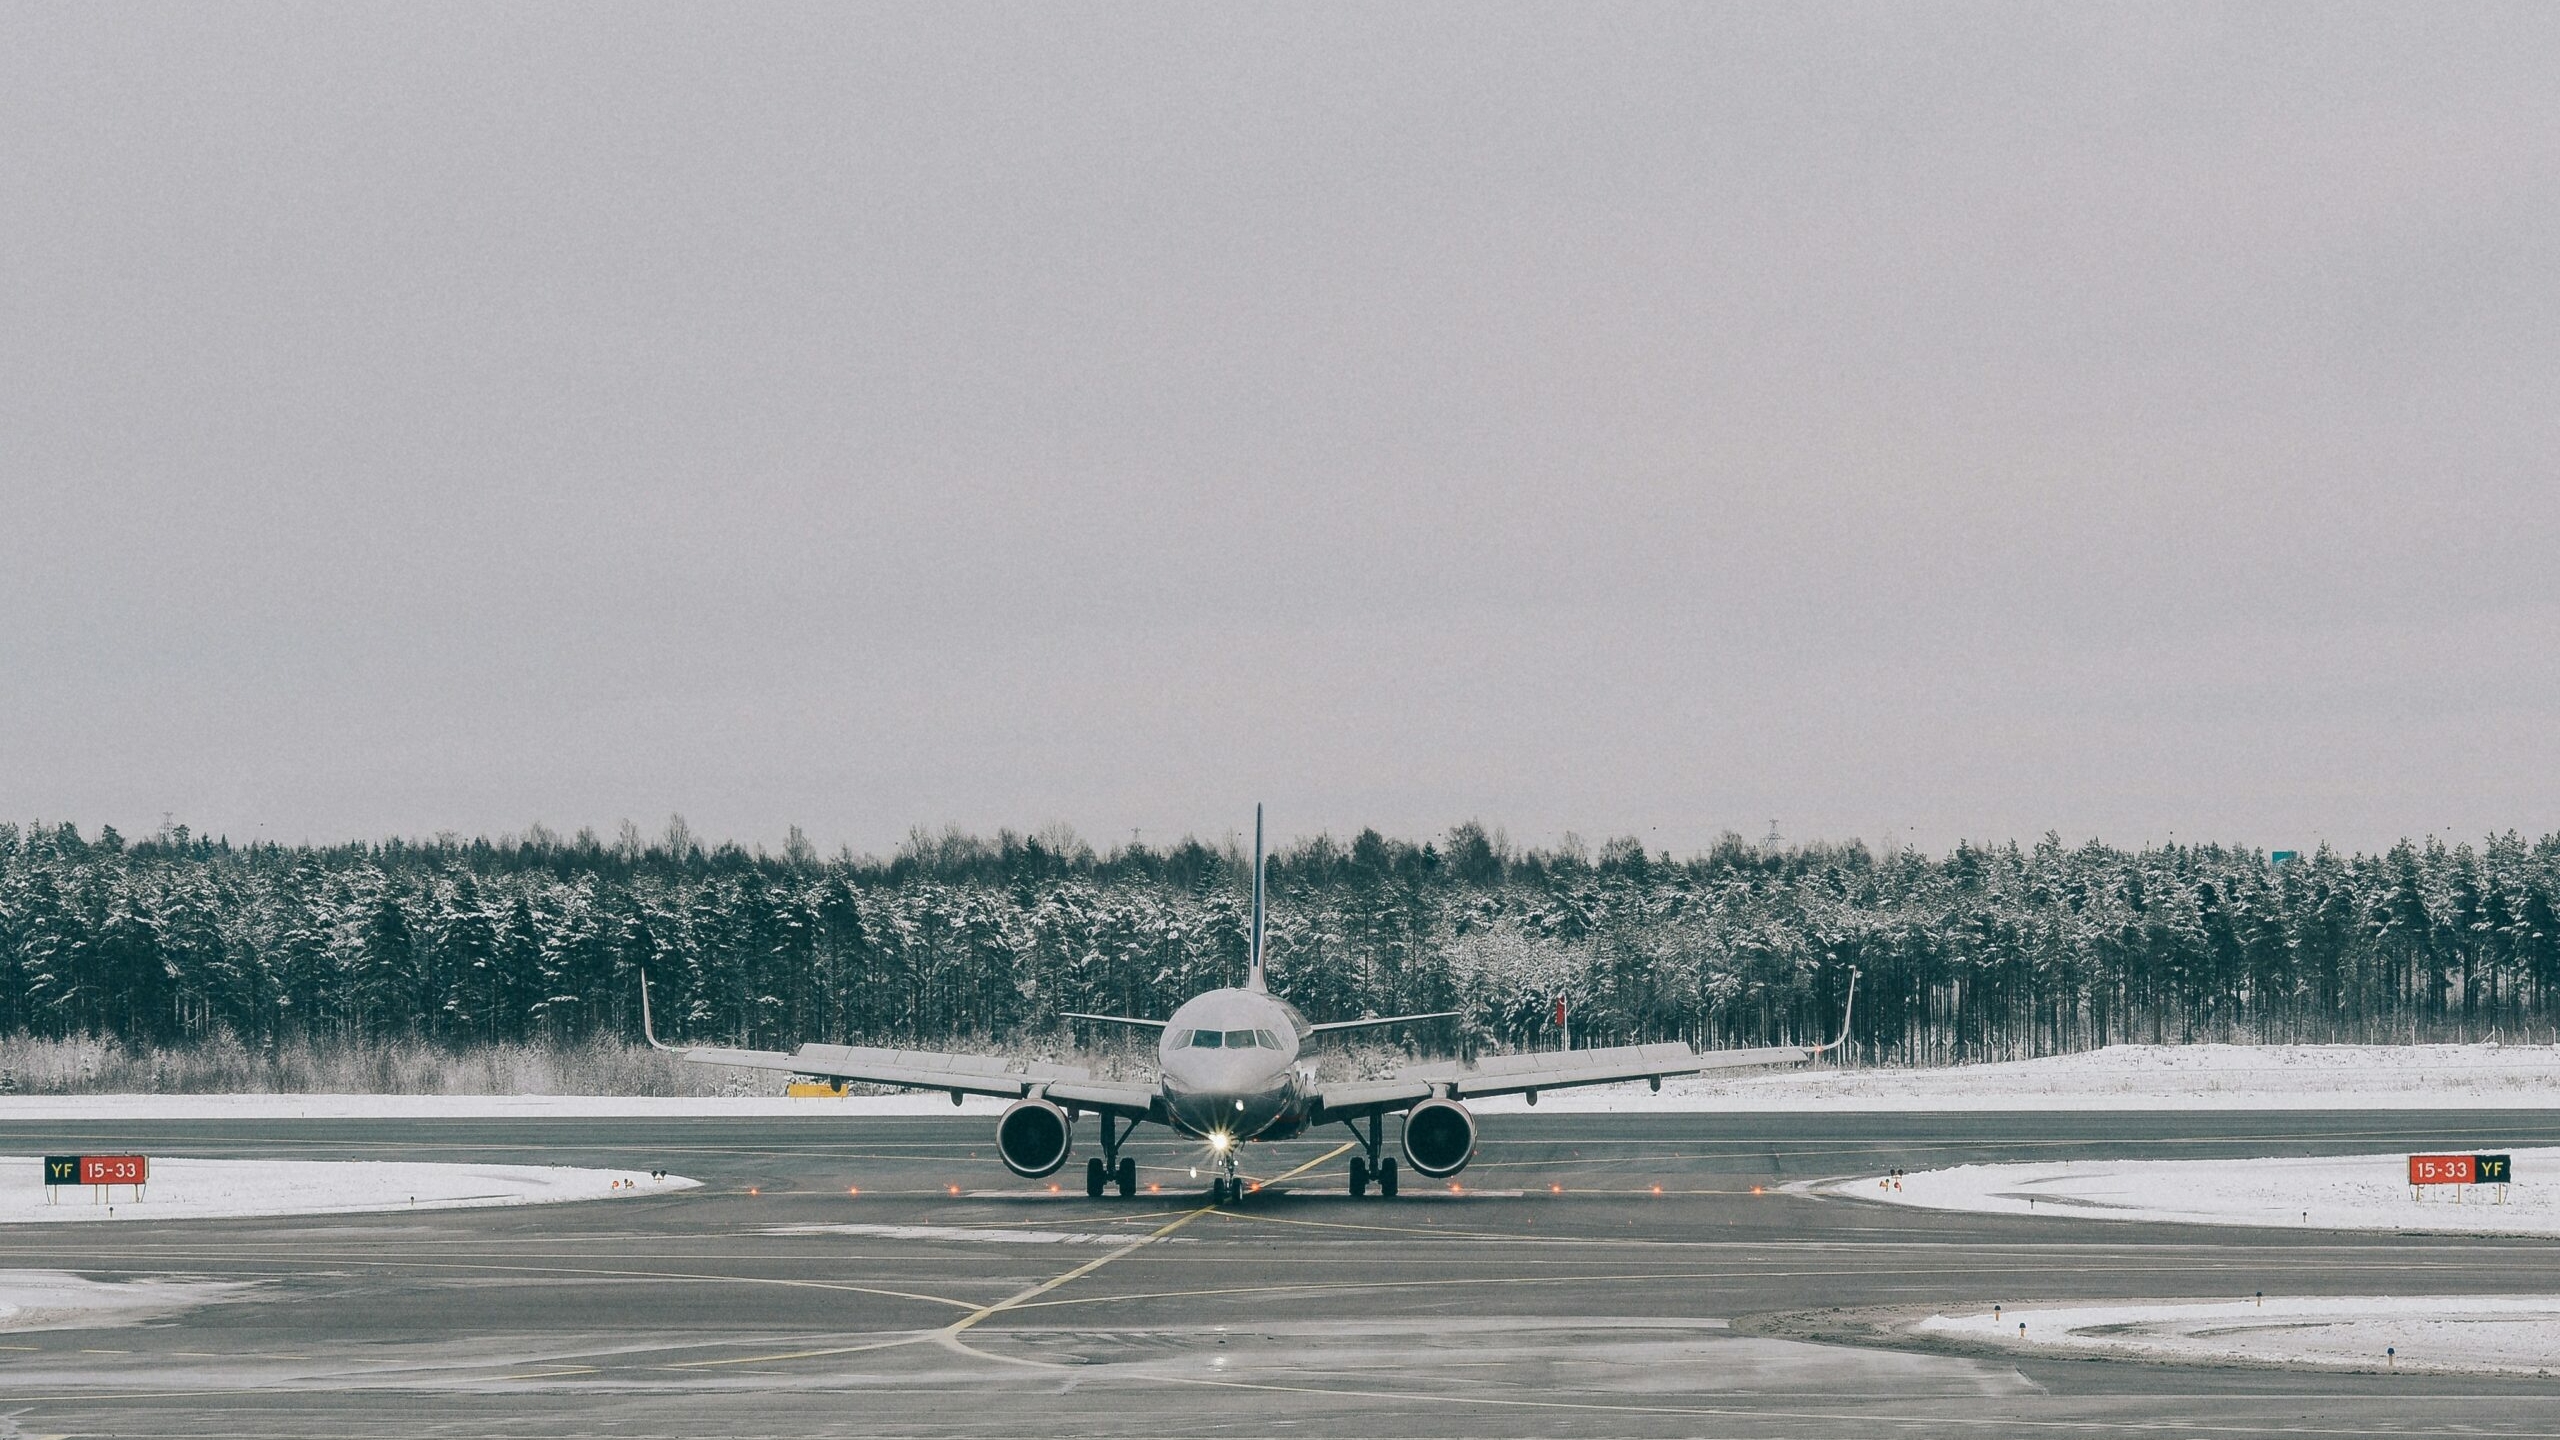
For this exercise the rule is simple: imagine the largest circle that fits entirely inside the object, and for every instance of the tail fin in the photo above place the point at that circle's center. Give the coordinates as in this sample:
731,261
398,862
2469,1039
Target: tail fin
1253,971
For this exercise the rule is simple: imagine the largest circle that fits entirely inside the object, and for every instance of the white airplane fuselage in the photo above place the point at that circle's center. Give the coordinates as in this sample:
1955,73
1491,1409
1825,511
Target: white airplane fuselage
1228,1065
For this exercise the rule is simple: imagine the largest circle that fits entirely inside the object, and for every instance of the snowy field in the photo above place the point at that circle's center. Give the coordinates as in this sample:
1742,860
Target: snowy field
2358,1192
2501,1334
2120,1077
183,1189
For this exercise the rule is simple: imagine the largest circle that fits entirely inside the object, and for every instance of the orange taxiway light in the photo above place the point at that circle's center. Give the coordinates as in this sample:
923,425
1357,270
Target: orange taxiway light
1155,1189
1657,1189
1755,1189
954,1189
853,1189
1555,1189
753,1190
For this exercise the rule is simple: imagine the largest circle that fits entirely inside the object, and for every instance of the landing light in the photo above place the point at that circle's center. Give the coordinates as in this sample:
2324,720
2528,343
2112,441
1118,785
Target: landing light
1219,1141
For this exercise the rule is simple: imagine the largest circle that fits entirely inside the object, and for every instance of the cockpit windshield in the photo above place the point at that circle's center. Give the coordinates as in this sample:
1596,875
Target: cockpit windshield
1225,1040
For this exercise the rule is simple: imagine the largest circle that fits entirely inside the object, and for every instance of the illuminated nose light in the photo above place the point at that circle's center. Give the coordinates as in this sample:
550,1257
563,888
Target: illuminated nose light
1220,1141
1239,1107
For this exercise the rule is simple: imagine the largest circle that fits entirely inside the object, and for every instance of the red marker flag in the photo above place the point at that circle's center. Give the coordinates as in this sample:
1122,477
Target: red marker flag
1559,1009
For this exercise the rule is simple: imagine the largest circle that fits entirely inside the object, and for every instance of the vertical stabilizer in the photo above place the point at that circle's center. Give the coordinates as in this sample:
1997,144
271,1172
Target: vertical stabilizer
1253,965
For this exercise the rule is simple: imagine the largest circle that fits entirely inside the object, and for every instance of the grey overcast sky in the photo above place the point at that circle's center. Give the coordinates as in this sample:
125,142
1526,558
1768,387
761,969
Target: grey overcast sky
1913,421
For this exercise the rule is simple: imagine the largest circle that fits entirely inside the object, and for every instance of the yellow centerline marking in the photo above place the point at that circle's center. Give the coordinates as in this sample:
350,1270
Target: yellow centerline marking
1078,1273
950,1333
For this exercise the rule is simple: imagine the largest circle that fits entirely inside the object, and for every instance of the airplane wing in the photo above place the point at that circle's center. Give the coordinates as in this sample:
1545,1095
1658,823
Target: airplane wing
999,1075
1130,1020
1004,1076
1338,1026
1108,1097
1556,1070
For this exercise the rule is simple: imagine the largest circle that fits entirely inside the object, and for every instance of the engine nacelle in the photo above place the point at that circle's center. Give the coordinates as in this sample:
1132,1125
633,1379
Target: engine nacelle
1033,1137
1439,1138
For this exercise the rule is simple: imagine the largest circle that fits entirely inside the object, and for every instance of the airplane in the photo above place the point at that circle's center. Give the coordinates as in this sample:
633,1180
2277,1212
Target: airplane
1233,1069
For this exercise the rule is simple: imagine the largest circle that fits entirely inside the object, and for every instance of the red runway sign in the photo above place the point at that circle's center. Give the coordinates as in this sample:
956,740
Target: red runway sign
2459,1170
115,1170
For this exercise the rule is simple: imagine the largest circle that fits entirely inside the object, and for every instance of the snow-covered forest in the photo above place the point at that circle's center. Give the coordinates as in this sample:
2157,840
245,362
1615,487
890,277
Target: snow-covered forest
1982,953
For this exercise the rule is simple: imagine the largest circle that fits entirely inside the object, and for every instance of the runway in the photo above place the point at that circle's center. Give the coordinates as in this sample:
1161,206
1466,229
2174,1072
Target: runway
1599,1275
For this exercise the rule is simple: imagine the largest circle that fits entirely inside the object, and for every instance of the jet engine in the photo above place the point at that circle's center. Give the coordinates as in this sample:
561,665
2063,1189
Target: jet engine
1034,1137
1439,1138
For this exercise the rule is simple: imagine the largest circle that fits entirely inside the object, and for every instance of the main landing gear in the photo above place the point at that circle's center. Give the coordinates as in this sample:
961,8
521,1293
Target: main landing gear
1111,1167
1372,1167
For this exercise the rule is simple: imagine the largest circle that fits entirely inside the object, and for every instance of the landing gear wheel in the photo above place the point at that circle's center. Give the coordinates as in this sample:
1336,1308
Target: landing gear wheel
1387,1177
1359,1176
1128,1176
1093,1177
1217,1189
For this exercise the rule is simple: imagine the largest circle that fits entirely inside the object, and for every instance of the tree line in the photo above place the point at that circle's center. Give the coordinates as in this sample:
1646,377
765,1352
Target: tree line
1987,951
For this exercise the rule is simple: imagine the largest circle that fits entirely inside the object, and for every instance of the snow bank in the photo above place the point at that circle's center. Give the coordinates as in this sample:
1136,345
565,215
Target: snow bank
2499,1334
2361,1192
2120,1077
183,1189
59,1300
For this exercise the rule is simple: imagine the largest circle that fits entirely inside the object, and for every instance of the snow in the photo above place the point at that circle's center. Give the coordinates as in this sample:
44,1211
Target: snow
59,1300
2484,1076
184,1189
2124,1077
2503,1333
2359,1192
473,1107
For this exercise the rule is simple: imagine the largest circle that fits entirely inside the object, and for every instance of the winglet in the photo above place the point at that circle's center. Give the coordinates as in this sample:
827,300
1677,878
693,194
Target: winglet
1845,1011
1253,966
646,1029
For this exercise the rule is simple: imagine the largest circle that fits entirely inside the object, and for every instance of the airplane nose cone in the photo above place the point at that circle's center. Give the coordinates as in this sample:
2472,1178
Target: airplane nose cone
1237,1099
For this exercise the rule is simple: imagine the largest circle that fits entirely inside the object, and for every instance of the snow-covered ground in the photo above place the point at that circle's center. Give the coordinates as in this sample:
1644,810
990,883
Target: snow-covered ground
2120,1077
2132,1077
183,1189
2358,1192
2504,1333
469,1107
59,1300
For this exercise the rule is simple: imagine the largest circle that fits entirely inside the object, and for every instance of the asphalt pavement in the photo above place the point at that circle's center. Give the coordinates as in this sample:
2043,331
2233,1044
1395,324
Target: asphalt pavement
1602,1275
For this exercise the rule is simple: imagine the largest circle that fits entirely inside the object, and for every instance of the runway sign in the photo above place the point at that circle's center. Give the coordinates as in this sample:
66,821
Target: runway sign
115,1170
2460,1170
62,1169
